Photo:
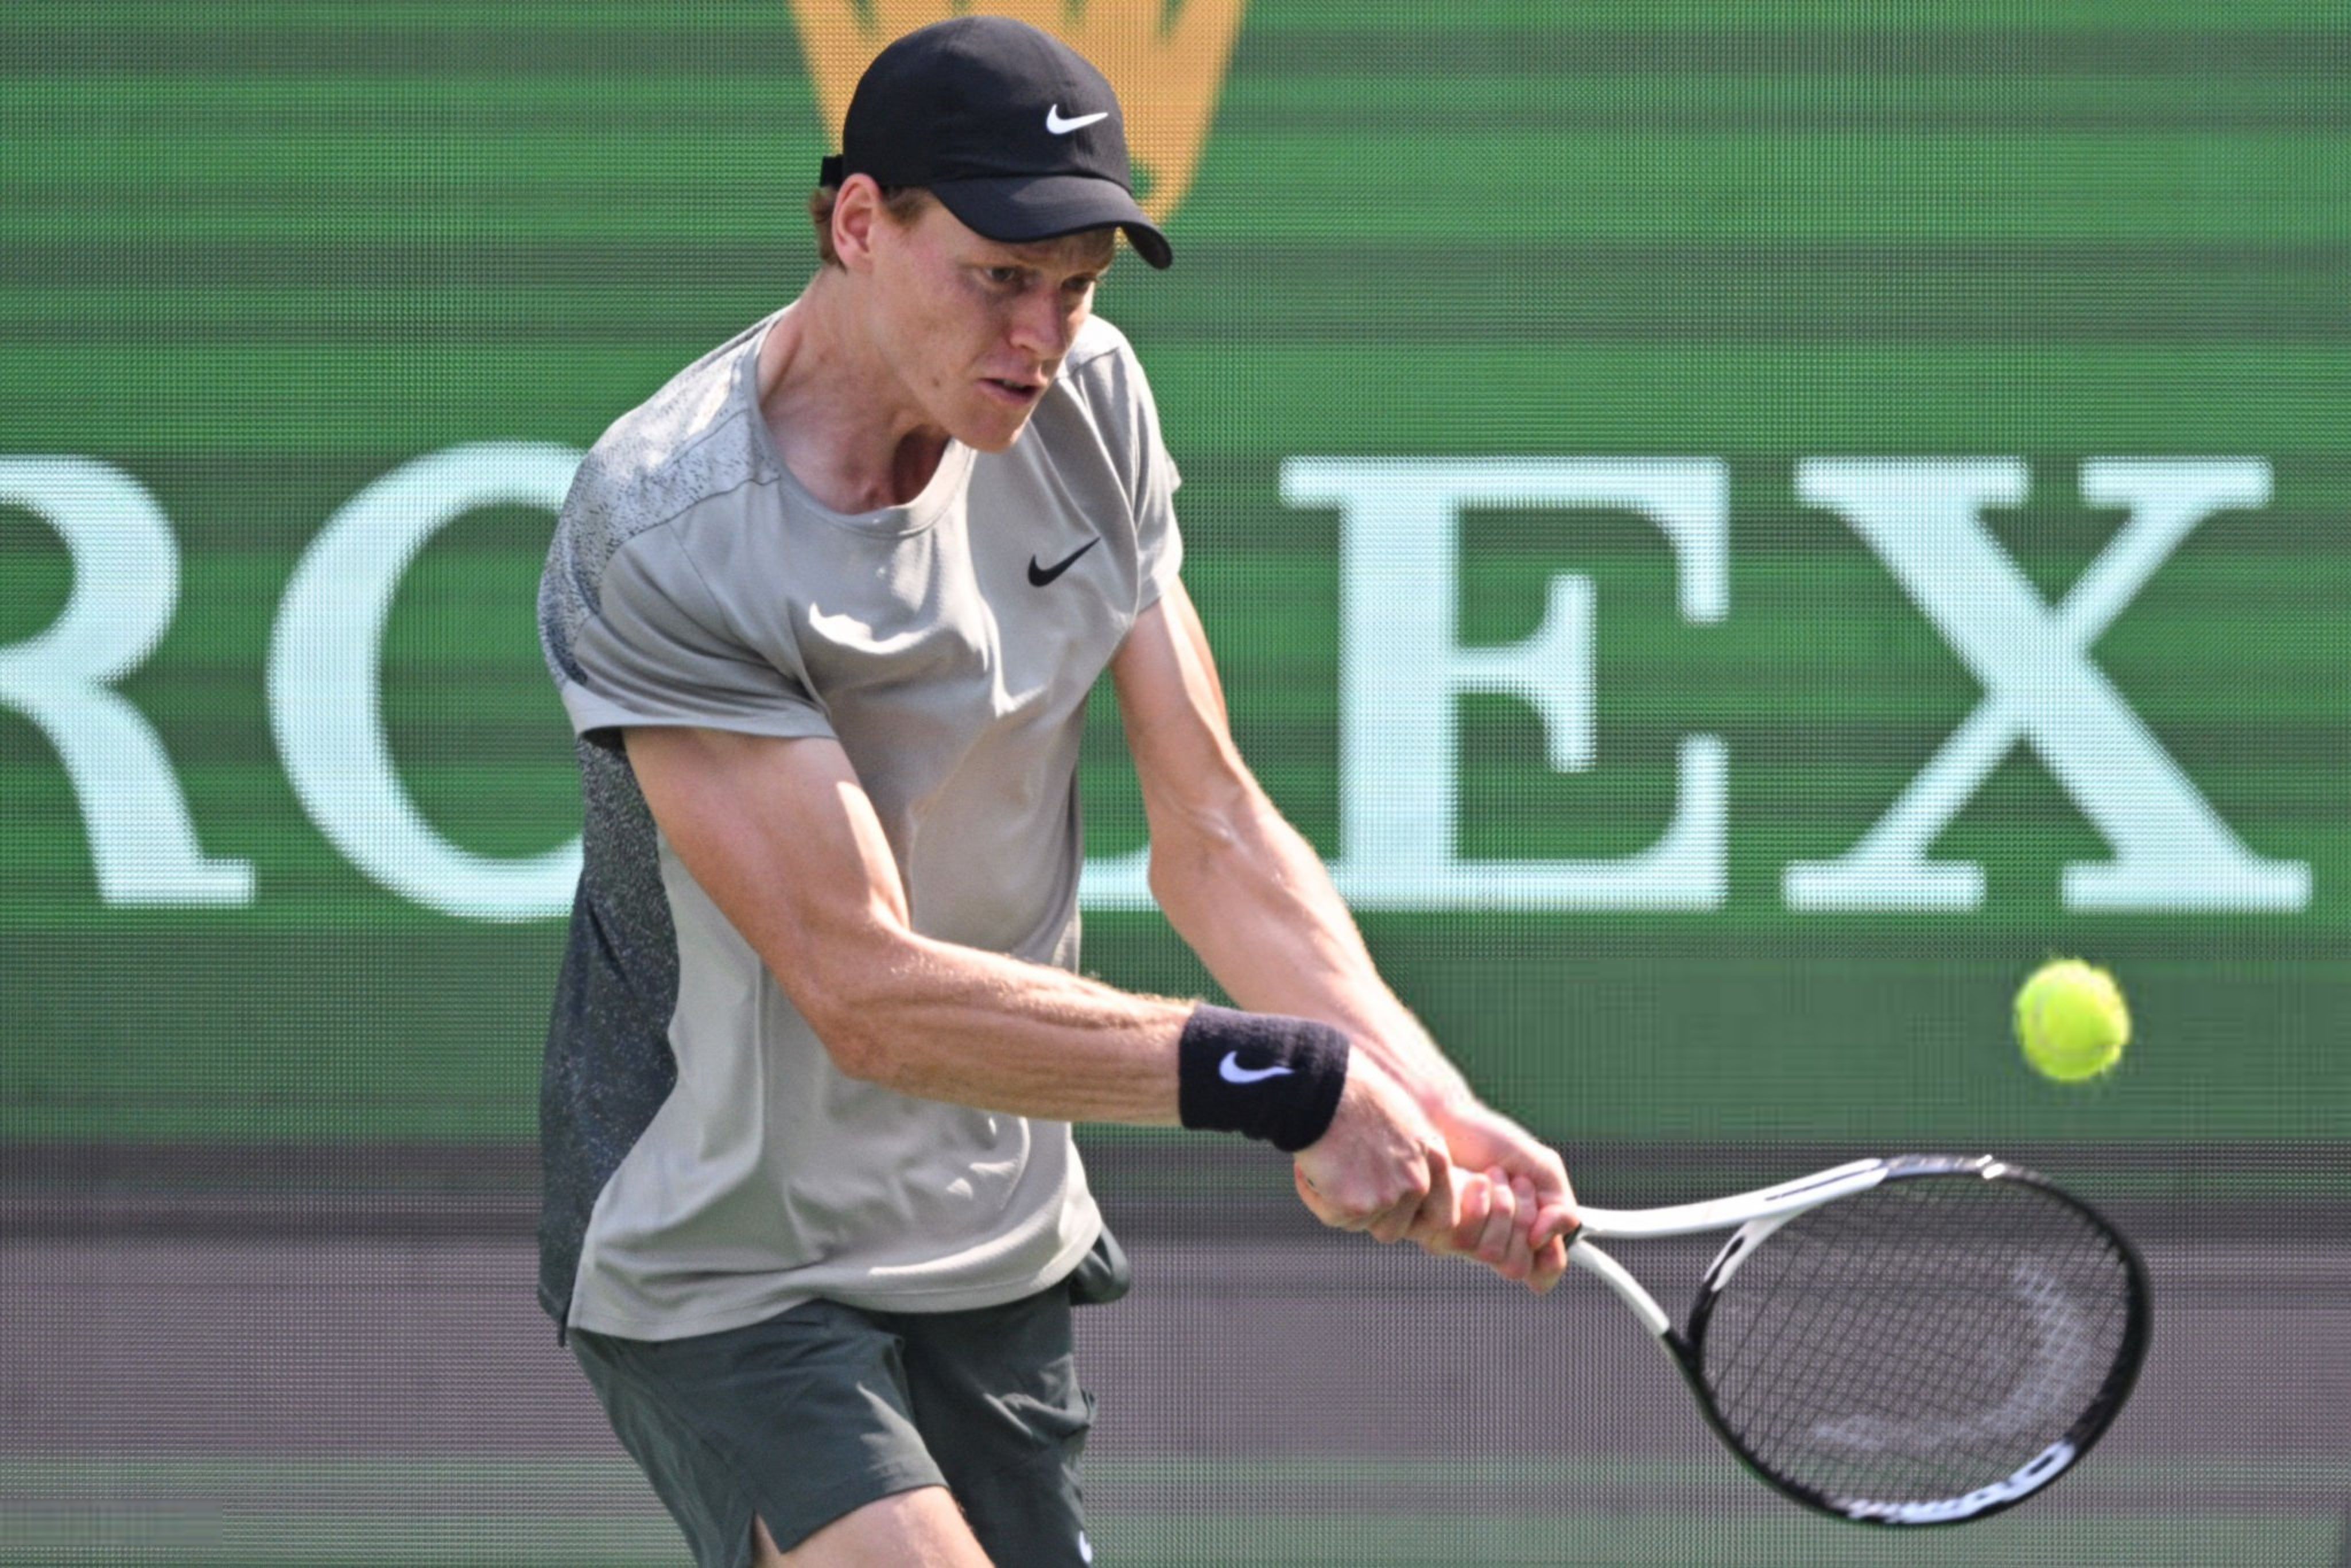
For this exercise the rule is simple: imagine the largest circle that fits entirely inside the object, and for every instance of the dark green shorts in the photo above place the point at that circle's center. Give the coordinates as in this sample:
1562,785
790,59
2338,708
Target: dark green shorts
813,1414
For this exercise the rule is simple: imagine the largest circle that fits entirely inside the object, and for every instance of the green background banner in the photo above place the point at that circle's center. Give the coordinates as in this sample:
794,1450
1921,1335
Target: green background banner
1737,530
259,261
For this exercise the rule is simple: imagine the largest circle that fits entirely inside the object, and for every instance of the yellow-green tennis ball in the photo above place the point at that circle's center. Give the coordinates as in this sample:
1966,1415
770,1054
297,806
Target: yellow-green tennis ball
2071,1020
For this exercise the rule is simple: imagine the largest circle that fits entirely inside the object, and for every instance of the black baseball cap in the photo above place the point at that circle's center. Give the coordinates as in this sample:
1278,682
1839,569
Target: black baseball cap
1010,128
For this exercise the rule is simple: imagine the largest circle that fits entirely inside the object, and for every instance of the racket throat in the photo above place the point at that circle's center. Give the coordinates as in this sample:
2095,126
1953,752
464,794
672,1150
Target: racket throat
1735,1251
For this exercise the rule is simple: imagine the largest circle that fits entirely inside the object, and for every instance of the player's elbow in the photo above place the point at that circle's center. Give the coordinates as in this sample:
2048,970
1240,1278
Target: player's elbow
853,1050
853,1004
1198,852
848,1033
1180,871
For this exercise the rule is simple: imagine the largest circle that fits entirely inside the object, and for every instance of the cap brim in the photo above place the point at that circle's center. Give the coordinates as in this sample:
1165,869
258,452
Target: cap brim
1020,209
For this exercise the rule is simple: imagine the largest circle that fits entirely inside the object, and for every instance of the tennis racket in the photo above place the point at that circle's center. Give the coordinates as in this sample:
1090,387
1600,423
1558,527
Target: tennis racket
1925,1339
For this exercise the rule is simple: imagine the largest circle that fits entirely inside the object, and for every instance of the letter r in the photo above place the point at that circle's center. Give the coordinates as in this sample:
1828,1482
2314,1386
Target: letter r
126,585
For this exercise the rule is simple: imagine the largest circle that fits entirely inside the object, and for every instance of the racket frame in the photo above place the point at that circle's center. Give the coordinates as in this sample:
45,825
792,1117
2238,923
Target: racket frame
1752,1216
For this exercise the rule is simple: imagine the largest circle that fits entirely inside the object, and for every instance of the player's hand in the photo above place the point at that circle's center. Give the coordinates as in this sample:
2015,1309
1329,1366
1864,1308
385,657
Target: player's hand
1517,1207
1498,1214
1381,1166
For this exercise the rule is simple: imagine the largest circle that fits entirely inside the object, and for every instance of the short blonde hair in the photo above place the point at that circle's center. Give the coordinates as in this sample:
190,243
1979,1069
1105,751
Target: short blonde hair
904,204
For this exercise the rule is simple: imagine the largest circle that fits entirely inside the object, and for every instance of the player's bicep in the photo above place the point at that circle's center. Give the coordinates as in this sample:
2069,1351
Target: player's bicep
784,840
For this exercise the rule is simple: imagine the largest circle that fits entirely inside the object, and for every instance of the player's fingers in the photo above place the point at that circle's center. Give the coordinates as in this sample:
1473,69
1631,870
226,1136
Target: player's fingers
1549,1264
1440,1209
1393,1223
1414,1182
1519,1261
1541,1166
1553,1219
1501,1219
1549,1177
1477,1199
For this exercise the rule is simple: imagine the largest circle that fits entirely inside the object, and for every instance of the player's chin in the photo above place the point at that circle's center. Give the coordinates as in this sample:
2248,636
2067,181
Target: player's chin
1000,412
993,440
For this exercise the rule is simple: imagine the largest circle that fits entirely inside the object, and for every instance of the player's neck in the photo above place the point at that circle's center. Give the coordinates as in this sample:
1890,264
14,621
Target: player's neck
841,422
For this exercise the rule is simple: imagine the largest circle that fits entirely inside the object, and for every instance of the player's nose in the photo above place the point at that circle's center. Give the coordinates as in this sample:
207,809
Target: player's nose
1044,326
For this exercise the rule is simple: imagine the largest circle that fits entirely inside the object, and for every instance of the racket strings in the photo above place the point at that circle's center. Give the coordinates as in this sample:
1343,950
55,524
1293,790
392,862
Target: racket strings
1917,1342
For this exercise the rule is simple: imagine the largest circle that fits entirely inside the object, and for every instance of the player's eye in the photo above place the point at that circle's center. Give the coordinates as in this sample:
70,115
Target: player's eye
1009,278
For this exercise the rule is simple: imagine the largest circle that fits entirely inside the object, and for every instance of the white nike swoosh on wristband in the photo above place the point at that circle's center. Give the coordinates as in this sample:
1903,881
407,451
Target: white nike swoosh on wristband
1231,1071
1060,127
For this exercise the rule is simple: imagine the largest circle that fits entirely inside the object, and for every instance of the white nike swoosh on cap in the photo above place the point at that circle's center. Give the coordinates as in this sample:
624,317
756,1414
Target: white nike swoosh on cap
1059,127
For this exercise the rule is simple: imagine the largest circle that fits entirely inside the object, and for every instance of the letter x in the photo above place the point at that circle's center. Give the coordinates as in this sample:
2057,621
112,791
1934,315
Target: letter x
2171,850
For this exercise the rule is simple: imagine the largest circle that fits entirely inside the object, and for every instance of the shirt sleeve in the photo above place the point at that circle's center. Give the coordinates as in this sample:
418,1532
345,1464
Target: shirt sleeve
654,647
1129,419
1159,540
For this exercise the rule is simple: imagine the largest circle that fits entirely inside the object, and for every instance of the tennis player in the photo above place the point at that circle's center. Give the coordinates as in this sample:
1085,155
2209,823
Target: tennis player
825,612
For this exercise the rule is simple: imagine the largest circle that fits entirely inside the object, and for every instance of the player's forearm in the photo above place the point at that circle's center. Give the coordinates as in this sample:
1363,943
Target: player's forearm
1248,894
946,1022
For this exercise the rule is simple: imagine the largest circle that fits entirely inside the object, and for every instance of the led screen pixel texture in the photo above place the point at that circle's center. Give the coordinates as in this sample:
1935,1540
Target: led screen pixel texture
1736,536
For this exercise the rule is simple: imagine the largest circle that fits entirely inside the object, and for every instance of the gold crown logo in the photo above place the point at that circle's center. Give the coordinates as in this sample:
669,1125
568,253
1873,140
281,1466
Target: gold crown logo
1165,58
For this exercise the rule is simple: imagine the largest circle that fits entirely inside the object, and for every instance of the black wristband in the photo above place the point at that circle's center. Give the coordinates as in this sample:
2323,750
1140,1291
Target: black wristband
1260,1074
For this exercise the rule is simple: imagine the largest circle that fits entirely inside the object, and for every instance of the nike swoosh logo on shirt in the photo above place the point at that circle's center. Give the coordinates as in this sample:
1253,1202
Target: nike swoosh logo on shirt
1059,127
1231,1071
1041,575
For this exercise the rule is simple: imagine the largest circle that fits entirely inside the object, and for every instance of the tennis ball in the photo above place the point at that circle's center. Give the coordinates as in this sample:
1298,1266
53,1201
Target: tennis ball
2071,1020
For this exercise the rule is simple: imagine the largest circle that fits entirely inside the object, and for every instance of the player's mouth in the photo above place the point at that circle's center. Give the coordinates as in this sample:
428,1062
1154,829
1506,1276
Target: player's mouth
1014,392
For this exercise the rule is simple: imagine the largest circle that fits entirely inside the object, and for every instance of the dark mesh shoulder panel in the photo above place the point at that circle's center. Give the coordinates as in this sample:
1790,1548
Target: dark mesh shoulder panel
608,1066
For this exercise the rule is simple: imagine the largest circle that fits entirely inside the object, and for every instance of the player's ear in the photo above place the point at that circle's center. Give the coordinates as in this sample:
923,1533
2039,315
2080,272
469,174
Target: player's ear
857,213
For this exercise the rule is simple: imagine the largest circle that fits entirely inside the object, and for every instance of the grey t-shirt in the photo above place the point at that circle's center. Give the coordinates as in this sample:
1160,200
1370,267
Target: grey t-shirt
707,1166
